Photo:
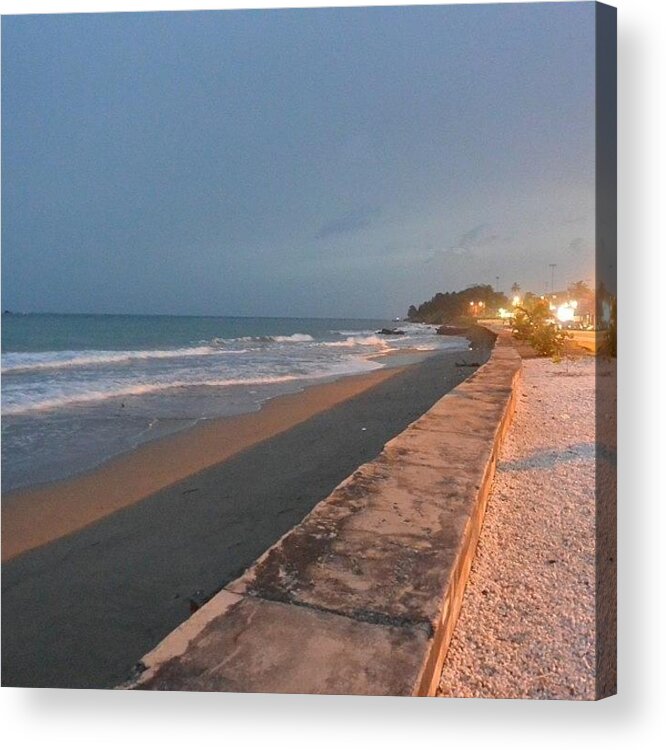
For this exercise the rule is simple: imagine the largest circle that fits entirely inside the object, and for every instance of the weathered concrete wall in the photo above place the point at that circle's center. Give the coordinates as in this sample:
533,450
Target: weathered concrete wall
363,595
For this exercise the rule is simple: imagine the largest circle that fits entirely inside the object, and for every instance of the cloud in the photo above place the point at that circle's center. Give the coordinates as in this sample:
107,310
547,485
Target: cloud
352,221
473,239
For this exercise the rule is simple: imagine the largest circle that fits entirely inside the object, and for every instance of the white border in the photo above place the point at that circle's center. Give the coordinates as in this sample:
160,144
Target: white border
101,719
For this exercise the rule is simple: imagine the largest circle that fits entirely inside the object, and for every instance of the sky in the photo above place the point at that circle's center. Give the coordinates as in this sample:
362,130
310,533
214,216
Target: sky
325,162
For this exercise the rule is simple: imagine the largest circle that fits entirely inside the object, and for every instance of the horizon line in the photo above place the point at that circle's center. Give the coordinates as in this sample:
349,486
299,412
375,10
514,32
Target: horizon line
8,311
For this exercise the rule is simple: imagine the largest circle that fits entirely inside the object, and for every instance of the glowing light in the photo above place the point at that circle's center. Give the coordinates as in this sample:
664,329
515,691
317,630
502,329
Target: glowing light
516,301
565,313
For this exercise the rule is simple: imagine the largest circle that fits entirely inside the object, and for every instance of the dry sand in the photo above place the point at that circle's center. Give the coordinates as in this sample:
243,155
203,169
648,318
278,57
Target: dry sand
527,625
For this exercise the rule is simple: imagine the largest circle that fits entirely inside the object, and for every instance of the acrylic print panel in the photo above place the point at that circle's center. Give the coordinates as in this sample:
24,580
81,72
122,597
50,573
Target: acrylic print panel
308,351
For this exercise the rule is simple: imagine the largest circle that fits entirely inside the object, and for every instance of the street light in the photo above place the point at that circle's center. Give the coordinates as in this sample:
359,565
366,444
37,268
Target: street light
565,313
552,276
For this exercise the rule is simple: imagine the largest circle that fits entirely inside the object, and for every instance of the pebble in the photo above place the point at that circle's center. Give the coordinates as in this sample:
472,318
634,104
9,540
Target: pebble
526,629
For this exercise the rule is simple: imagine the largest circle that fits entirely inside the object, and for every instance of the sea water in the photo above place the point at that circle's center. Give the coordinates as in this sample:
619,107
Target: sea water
78,389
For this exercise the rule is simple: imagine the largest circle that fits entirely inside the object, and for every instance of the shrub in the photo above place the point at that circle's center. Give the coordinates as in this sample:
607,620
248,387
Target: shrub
533,323
522,324
548,340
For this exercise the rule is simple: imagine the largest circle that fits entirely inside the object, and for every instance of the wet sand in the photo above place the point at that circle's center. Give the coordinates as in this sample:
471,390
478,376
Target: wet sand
81,610
39,515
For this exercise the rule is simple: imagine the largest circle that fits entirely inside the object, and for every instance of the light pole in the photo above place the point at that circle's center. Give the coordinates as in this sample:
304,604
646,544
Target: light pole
552,277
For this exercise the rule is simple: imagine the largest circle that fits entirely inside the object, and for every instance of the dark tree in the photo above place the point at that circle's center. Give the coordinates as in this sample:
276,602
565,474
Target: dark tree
458,307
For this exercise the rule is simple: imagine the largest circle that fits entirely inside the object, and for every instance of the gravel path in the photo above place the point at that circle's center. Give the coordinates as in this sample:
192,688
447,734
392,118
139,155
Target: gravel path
526,628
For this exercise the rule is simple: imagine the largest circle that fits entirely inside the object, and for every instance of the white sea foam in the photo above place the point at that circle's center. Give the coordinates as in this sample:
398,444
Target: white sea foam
295,338
354,333
352,341
21,362
26,402
135,389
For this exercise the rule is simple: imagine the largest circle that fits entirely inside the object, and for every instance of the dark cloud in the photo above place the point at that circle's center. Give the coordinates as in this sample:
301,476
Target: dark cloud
474,238
471,240
352,221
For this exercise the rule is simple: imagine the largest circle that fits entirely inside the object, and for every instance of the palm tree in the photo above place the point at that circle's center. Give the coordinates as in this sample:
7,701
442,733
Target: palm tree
579,290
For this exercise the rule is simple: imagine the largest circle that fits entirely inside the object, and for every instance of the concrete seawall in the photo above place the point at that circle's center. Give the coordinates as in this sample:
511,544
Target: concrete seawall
362,596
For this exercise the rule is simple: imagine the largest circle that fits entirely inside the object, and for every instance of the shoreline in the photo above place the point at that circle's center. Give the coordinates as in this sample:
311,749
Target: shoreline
393,359
38,514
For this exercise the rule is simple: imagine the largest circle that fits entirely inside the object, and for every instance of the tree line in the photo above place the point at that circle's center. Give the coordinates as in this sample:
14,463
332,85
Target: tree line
458,307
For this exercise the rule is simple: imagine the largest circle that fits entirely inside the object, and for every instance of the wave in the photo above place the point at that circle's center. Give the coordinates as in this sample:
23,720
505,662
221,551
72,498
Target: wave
354,333
30,361
140,389
21,362
351,341
294,338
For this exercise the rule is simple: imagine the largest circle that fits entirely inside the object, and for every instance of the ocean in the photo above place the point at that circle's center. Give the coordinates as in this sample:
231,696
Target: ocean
79,389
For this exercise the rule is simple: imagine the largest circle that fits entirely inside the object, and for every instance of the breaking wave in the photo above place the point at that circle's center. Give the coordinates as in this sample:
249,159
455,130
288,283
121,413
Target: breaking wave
352,341
17,362
21,362
114,390
294,338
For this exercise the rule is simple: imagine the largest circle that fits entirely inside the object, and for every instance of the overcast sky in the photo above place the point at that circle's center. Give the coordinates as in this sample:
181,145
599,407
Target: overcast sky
327,162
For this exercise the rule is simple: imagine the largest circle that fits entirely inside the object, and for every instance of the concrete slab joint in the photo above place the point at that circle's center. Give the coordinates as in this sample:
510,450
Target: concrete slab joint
362,596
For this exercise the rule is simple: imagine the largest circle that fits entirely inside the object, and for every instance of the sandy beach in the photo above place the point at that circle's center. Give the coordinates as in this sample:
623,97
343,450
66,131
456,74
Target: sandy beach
37,516
128,551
